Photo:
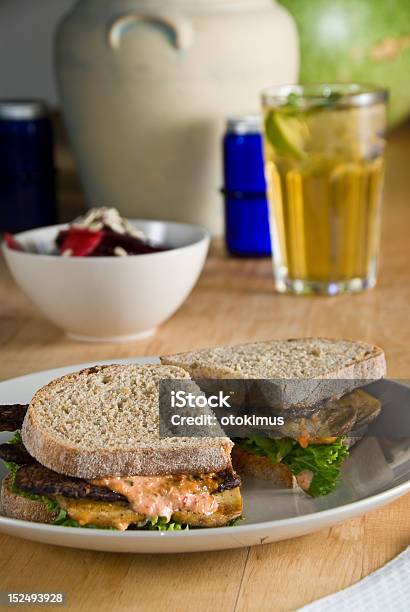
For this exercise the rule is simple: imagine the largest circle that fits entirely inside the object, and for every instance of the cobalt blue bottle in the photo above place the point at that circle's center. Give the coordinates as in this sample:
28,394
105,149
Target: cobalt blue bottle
27,172
246,205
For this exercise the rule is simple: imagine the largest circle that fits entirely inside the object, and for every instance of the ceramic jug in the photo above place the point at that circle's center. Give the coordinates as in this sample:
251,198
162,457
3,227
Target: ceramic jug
146,86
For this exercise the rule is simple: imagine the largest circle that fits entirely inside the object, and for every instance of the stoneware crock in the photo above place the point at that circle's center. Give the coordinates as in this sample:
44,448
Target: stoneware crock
146,86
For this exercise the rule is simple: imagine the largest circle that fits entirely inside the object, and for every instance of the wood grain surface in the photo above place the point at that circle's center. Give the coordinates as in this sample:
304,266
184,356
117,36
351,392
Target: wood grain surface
233,302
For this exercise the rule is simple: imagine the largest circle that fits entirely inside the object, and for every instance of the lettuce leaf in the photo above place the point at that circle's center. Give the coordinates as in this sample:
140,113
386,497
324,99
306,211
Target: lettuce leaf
323,460
16,439
160,523
276,449
63,520
234,522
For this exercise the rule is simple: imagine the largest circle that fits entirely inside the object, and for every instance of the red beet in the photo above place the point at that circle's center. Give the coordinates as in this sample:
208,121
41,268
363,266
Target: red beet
12,242
79,242
84,242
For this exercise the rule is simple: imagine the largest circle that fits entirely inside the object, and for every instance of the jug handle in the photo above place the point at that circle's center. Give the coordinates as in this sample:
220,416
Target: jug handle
177,25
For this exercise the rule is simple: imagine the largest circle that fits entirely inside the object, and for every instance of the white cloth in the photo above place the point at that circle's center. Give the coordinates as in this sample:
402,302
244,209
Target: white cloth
386,590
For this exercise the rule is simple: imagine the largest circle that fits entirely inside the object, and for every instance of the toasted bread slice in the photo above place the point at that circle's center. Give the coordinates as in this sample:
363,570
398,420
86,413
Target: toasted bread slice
16,506
320,367
105,421
262,467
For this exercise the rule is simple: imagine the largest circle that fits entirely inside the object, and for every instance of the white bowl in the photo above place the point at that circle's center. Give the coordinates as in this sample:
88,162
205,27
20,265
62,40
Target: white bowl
110,299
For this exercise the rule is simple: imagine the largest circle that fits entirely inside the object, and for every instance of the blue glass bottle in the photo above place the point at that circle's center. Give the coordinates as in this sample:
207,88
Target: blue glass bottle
246,205
27,172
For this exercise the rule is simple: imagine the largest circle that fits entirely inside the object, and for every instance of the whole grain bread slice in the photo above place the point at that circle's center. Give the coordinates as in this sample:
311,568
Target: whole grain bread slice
17,506
105,421
295,372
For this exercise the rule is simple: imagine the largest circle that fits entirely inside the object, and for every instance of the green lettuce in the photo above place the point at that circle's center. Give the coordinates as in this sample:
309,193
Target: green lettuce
323,460
276,449
160,523
16,439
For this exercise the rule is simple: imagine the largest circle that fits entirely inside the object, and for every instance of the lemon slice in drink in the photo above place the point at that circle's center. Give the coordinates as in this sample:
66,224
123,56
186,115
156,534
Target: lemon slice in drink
287,134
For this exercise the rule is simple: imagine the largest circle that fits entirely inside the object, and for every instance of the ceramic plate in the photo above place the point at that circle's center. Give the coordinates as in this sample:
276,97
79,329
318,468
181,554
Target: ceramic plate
376,473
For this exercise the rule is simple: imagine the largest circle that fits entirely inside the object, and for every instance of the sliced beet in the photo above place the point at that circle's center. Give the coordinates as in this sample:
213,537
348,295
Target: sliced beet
79,242
130,244
12,243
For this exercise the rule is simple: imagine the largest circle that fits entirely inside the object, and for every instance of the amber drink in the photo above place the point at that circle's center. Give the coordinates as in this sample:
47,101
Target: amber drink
324,150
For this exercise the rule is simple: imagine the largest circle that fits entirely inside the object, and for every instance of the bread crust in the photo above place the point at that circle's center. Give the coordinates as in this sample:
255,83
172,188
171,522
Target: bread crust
263,467
91,464
194,456
18,507
279,390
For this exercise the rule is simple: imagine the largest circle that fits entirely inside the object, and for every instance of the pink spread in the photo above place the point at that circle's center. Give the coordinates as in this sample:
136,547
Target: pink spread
304,479
154,496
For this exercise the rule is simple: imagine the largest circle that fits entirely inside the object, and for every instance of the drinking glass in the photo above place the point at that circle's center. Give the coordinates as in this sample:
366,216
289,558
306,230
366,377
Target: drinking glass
324,154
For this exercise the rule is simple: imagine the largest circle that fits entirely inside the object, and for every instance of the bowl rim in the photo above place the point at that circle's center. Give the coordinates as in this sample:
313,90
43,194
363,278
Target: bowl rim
203,237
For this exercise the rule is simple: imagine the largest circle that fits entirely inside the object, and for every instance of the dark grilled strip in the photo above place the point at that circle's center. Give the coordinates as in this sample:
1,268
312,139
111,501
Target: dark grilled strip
12,416
16,453
38,480
230,480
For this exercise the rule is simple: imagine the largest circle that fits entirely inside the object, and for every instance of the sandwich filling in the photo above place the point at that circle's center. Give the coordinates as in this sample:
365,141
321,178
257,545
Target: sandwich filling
115,502
165,502
315,447
316,467
163,495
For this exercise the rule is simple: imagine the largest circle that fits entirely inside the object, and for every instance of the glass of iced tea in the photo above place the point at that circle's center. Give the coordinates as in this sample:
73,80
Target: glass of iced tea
324,151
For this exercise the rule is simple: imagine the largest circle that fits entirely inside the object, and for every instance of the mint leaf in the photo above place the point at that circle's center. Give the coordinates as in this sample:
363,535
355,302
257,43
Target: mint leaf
296,101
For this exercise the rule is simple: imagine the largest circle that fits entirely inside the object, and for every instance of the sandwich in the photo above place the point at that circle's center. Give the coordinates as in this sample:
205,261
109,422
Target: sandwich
86,452
315,384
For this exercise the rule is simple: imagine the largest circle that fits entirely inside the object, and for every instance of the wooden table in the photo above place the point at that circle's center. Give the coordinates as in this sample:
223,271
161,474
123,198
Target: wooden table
233,302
